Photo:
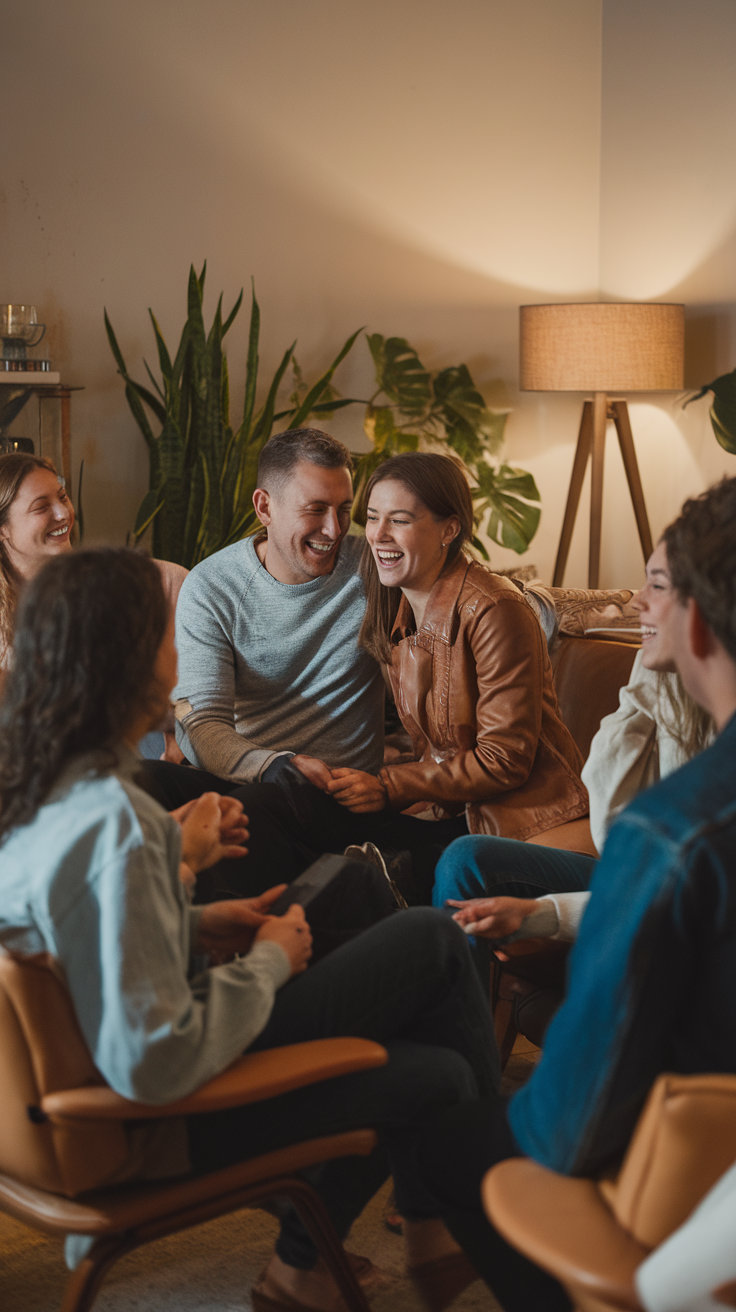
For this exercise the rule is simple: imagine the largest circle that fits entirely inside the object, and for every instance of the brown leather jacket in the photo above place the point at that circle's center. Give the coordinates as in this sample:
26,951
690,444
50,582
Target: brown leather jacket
474,690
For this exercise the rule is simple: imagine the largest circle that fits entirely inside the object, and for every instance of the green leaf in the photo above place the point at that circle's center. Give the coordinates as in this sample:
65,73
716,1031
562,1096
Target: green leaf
112,339
400,373
264,419
228,322
225,393
153,380
314,393
723,409
328,408
147,511
133,390
164,359
151,401
511,522
470,427
139,414
723,420
251,368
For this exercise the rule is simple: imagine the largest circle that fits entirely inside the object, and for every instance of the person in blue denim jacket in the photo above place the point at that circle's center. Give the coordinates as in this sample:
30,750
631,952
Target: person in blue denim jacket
652,980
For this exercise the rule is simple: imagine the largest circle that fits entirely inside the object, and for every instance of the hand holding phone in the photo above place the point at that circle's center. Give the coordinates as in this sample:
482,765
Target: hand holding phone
292,933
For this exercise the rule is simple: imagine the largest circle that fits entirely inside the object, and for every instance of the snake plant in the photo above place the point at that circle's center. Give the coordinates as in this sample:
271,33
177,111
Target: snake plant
202,470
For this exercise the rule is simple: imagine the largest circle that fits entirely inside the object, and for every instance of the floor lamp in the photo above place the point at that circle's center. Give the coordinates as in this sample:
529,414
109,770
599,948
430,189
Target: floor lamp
604,349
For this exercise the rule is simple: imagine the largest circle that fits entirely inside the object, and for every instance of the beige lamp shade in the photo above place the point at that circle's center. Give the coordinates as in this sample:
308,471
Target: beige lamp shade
602,348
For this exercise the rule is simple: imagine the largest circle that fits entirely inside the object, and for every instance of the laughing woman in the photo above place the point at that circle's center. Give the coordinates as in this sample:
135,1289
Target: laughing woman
468,666
36,522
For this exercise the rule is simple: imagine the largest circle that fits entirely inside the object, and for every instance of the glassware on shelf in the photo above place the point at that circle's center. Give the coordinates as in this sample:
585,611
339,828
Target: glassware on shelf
19,329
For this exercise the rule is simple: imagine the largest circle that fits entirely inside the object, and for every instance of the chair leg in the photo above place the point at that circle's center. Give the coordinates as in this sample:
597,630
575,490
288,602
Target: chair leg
315,1218
504,1023
84,1282
503,1009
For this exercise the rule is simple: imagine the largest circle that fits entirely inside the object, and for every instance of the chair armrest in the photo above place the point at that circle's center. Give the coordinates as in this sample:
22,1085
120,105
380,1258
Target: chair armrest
564,1226
252,1078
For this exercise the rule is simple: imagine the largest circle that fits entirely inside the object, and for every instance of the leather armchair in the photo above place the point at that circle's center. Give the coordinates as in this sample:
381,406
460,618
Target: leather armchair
64,1136
592,1235
589,674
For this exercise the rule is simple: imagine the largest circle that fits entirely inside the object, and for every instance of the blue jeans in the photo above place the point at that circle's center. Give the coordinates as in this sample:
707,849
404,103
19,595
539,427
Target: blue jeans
477,866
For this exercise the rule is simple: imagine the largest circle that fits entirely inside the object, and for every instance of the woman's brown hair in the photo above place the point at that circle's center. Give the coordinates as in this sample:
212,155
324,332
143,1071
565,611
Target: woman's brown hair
89,628
440,484
14,470
688,723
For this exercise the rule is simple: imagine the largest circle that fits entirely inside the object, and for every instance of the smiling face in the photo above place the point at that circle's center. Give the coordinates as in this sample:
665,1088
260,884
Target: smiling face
409,545
38,524
661,613
307,516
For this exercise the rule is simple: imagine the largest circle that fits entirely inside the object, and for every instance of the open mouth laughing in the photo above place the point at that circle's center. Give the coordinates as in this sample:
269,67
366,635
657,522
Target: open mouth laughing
319,547
388,558
59,534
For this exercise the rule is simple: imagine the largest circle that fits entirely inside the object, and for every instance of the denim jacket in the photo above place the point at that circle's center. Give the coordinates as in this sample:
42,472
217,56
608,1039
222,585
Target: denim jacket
652,984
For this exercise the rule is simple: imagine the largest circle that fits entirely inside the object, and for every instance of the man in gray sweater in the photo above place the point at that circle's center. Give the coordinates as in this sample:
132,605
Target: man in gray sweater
267,630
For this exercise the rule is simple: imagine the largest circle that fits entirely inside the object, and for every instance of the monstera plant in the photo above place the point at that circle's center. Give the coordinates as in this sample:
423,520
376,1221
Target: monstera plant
202,470
723,409
414,407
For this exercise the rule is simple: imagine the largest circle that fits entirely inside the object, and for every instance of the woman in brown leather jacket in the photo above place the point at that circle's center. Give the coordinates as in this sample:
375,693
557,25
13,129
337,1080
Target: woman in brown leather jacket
467,663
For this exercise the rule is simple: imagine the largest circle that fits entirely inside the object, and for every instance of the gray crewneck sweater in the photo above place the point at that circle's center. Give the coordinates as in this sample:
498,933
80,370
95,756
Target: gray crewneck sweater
268,667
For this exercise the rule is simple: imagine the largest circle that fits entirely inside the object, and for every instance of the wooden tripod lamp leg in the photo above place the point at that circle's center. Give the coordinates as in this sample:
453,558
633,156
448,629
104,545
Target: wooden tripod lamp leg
600,415
631,465
582,451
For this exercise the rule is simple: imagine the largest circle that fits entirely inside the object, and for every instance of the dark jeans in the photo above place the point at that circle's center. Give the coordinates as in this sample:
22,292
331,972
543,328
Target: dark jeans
476,866
291,823
456,1148
410,984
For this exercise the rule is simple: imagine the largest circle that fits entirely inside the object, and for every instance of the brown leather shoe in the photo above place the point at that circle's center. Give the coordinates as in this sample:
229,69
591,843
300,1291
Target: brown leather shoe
439,1282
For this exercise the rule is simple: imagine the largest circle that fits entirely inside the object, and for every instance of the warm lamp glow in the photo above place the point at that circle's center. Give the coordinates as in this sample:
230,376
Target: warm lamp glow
602,348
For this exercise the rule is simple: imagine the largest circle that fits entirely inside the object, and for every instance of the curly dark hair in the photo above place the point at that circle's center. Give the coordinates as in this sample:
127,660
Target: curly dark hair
88,631
701,556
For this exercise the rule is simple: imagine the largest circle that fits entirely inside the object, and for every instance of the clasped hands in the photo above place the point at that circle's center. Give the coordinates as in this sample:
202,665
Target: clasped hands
354,789
212,828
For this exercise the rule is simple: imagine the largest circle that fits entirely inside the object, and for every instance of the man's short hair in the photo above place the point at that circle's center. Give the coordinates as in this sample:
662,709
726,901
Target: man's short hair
701,556
283,452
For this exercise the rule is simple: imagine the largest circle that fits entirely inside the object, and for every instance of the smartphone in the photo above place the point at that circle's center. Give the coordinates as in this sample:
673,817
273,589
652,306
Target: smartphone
313,881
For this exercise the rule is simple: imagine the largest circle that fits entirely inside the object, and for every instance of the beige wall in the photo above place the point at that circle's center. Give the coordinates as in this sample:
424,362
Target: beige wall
668,231
417,166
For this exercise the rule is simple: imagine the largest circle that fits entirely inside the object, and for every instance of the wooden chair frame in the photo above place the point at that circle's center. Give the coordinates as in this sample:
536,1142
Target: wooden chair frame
43,1051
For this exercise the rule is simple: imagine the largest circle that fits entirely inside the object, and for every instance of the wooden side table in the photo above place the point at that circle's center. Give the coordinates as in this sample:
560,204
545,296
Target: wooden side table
45,391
